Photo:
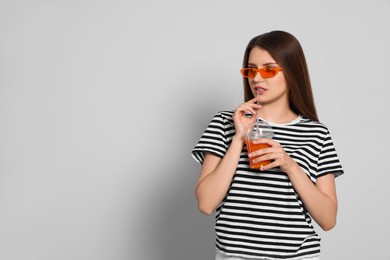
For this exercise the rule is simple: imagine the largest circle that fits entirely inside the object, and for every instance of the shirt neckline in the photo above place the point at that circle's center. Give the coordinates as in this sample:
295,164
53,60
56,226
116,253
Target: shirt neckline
294,121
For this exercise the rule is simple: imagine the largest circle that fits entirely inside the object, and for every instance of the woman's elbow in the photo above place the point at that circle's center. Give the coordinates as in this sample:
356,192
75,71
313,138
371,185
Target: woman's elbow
207,210
204,204
328,226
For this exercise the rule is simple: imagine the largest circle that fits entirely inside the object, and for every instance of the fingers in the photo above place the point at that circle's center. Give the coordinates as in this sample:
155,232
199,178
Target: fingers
253,100
264,154
240,117
269,166
246,108
273,157
249,107
274,153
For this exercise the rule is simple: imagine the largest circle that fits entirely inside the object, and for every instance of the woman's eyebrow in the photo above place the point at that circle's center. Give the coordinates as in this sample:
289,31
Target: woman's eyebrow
270,63
265,64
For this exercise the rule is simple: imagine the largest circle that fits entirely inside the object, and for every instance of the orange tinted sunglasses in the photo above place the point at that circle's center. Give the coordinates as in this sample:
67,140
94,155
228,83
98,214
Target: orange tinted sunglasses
264,72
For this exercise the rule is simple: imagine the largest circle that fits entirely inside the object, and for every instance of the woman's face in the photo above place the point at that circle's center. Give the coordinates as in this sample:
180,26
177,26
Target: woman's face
267,90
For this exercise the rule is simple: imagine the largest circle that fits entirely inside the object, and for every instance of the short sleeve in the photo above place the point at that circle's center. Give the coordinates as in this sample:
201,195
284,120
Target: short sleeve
213,140
328,161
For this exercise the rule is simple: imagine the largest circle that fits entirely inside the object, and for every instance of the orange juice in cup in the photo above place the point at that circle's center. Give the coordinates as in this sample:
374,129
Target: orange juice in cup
258,129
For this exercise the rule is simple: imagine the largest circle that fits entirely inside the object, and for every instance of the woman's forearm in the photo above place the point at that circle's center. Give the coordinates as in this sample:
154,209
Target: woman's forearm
321,204
216,177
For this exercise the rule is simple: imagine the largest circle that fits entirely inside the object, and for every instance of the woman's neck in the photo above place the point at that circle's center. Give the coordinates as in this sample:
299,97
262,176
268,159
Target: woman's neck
277,114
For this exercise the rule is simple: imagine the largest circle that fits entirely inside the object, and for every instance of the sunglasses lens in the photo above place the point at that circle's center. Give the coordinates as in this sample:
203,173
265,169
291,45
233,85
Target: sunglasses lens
252,73
268,73
249,73
264,72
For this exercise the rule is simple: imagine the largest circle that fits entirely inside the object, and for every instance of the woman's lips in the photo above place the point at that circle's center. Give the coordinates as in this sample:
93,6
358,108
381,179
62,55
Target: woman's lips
260,90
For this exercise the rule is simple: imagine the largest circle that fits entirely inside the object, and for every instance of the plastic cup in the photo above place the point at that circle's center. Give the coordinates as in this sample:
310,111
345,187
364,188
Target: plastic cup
258,129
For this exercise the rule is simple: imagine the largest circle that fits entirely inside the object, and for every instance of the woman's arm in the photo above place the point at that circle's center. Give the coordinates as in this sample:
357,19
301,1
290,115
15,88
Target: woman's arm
320,199
216,175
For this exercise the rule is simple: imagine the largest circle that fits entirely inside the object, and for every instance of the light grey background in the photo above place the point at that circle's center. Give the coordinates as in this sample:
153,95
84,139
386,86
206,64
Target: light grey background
101,103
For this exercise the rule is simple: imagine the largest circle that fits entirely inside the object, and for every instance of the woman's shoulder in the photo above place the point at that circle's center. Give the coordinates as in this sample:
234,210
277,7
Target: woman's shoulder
224,117
313,123
227,114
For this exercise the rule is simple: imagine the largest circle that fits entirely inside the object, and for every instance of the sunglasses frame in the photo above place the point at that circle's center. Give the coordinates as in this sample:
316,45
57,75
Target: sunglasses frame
261,71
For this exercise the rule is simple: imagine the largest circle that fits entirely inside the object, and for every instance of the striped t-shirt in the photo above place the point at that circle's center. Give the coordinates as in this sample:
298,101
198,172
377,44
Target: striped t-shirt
261,216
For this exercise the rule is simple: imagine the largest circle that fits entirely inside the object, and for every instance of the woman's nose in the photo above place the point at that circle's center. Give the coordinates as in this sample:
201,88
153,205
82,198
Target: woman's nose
258,77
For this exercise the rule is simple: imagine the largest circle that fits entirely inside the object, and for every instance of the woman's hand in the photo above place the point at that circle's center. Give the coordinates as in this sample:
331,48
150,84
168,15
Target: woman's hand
241,122
276,153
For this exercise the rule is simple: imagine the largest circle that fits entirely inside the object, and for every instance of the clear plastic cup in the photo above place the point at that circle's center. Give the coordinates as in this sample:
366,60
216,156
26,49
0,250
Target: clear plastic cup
258,129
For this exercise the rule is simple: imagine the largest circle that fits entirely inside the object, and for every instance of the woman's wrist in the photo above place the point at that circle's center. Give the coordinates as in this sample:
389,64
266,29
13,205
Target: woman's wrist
292,168
239,138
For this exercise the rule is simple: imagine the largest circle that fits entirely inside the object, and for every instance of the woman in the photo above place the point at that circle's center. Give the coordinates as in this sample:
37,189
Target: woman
266,213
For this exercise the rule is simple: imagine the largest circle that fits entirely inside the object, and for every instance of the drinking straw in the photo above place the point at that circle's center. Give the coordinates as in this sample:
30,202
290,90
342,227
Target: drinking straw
257,125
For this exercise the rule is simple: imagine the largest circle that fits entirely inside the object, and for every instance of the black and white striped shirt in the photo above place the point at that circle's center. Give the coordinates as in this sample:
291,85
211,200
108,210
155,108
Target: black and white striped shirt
262,217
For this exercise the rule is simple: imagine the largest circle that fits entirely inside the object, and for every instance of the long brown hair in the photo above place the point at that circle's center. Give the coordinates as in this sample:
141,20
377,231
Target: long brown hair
288,53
